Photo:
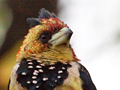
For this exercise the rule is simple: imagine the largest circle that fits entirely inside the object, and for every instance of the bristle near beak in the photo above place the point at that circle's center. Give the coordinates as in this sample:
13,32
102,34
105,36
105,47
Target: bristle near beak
61,37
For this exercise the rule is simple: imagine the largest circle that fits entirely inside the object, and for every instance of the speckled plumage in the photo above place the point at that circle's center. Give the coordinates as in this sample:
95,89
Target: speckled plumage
46,60
40,76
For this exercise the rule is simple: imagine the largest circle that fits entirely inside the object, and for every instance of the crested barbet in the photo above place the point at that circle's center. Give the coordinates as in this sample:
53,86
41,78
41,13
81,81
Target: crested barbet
46,60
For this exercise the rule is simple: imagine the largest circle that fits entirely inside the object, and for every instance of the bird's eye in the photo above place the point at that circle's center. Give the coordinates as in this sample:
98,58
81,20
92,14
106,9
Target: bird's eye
45,37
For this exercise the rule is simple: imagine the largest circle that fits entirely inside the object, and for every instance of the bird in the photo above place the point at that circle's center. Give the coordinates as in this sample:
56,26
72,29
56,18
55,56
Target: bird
46,60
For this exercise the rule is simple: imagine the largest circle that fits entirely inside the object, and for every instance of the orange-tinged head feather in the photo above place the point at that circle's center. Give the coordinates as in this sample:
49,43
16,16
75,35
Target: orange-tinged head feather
32,46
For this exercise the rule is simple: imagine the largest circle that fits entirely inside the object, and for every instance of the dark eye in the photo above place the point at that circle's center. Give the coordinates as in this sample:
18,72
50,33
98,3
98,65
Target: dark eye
45,37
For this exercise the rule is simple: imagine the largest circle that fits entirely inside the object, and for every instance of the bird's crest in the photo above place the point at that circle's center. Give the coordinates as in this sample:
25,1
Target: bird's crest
43,14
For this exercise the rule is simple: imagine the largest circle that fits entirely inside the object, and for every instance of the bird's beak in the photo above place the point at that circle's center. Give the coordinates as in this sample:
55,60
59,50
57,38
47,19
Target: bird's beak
61,37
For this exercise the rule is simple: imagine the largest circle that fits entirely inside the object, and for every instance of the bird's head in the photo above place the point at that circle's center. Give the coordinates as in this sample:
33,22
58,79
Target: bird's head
48,39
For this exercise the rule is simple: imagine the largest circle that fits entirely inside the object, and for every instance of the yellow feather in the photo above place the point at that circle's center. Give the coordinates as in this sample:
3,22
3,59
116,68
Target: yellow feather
74,84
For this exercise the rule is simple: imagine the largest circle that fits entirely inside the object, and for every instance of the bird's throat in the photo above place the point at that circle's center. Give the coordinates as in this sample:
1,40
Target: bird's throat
60,53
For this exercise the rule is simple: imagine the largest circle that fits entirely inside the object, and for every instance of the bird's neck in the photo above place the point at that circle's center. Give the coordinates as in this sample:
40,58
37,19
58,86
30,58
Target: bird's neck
55,54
